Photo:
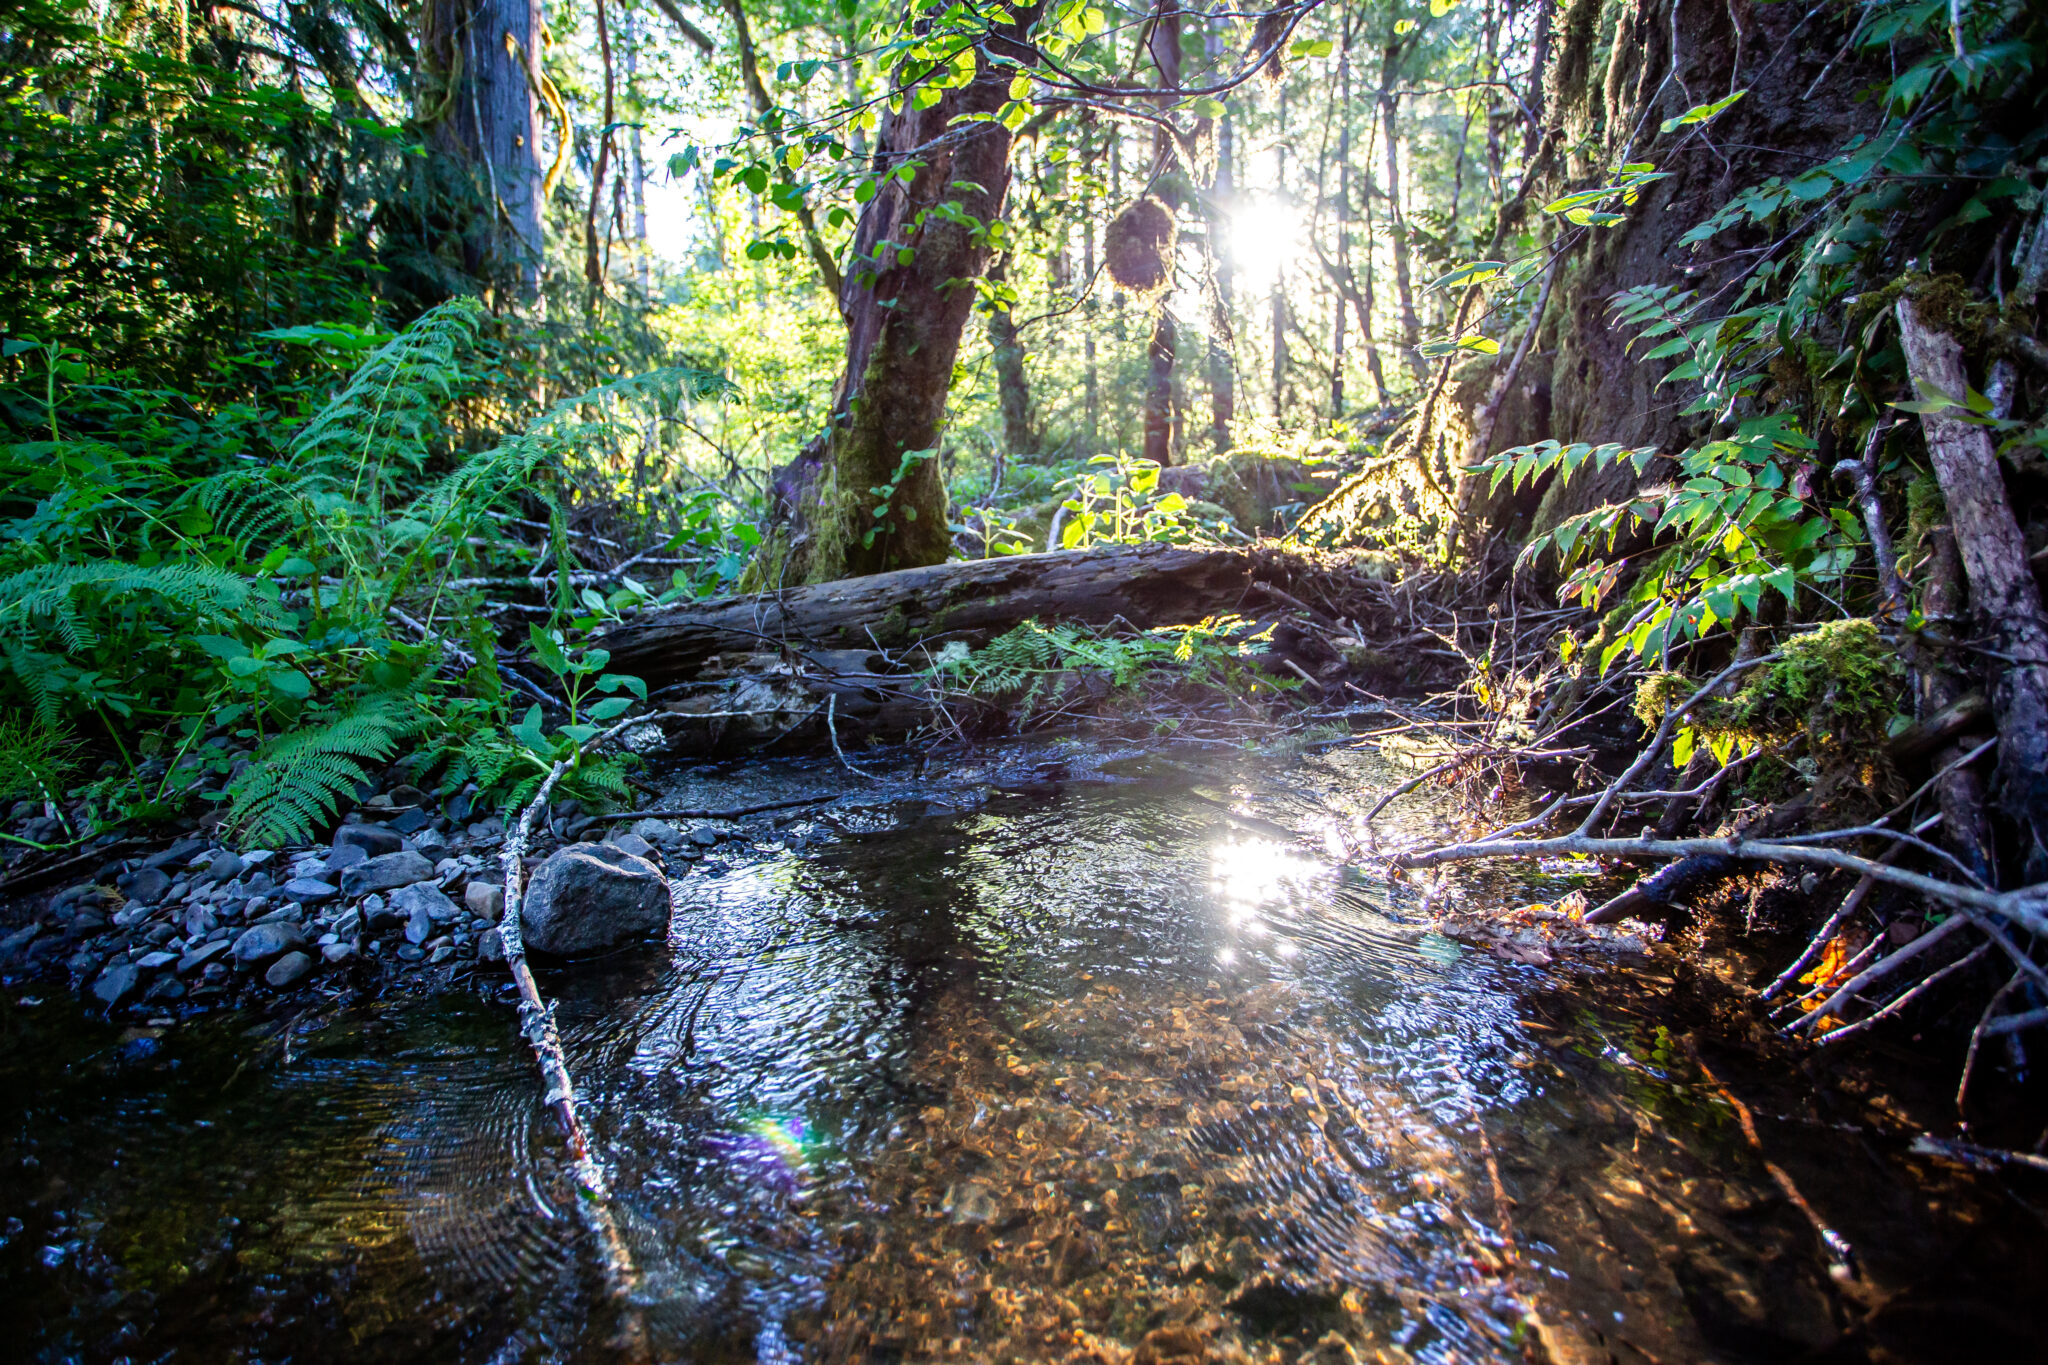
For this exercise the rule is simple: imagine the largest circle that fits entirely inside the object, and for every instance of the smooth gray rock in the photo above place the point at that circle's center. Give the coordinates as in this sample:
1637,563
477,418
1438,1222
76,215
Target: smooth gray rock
419,925
337,952
427,898
176,853
633,844
117,983
157,961
490,946
308,889
200,921
660,833
385,871
486,900
374,840
199,956
590,898
288,970
146,884
225,867
344,858
267,941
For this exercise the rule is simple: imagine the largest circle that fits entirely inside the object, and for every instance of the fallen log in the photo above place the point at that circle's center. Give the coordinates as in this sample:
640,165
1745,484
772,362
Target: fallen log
849,662
1141,586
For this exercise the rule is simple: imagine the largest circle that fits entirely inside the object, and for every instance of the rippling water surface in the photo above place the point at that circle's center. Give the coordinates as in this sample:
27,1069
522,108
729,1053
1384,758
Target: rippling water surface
1099,1062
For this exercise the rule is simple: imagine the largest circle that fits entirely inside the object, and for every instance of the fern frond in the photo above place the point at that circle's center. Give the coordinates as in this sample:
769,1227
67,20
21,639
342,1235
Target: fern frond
48,595
298,780
391,408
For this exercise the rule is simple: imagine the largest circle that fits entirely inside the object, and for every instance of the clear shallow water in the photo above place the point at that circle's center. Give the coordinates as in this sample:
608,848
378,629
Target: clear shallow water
1002,1066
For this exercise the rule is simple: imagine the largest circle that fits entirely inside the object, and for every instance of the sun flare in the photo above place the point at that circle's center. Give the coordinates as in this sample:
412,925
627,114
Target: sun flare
1264,240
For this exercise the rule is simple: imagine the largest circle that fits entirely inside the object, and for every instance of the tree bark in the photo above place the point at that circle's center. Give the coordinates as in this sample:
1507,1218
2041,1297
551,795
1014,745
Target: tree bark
906,298
1159,356
2003,597
1013,389
1164,46
1217,208
484,117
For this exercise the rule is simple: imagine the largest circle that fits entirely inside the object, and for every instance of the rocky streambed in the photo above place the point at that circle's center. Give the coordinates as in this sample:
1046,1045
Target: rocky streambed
408,892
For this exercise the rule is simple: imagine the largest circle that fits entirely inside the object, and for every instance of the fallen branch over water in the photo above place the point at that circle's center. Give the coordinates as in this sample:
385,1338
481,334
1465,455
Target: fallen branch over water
537,1024
2027,906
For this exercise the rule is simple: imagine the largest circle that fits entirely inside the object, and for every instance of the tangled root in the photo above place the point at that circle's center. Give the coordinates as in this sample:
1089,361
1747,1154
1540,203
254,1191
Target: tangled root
1138,247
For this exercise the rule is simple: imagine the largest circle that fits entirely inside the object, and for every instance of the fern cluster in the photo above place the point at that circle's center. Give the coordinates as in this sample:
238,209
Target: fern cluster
300,780
1022,666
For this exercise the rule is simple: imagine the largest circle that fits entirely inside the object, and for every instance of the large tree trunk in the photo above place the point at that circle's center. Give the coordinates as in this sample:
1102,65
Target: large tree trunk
906,298
481,112
1600,389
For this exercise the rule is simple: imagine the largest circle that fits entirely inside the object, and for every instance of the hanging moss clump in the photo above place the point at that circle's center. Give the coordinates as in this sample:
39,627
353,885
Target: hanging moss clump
1138,247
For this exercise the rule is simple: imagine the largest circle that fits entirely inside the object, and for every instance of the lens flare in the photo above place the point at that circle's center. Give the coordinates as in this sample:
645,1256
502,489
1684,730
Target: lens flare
1265,239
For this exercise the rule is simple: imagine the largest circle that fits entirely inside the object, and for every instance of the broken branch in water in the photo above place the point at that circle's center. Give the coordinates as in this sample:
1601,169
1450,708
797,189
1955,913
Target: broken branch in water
537,1024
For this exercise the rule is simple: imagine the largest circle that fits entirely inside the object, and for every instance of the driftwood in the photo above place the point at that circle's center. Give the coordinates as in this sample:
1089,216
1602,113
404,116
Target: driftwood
974,600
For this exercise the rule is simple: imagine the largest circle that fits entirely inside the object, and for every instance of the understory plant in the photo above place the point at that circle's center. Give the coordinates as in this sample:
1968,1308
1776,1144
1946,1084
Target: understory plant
263,608
1026,668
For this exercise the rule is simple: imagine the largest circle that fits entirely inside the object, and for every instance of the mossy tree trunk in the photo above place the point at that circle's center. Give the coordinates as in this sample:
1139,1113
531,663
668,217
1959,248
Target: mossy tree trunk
908,289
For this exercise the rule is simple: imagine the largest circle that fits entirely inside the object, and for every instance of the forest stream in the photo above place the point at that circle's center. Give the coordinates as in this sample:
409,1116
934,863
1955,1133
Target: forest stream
1065,1053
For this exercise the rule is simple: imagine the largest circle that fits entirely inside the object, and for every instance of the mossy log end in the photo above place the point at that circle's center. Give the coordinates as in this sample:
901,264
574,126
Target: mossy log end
1140,585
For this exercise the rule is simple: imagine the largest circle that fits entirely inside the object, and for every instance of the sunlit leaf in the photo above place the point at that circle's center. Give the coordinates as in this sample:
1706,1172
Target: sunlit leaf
1700,113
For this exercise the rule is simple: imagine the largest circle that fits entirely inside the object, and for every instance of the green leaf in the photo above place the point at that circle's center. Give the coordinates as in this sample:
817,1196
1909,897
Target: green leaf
1208,107
1477,272
289,682
528,731
221,646
1700,113
612,682
611,708
548,649
1311,47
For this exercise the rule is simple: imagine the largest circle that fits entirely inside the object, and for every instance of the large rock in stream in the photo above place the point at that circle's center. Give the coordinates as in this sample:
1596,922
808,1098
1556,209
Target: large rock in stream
590,898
